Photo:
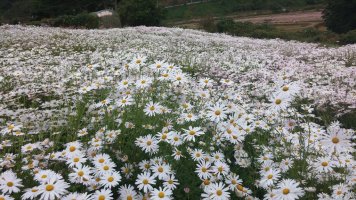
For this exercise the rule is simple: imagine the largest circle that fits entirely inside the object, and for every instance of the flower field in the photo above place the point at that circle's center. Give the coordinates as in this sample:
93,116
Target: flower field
165,113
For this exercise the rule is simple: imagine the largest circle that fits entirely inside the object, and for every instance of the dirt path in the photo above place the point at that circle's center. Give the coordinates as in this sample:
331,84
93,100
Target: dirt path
284,18
308,18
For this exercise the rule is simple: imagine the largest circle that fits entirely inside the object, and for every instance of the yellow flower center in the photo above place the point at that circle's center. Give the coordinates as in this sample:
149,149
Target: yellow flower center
10,127
192,132
106,167
161,195
217,112
138,61
80,173
101,160
148,142
240,187
10,184
324,164
152,108
233,182
145,181
278,101
76,159
72,148
219,192
160,169
101,197
204,169
220,169
111,179
129,197
285,88
285,191
335,140
270,176
206,182
49,187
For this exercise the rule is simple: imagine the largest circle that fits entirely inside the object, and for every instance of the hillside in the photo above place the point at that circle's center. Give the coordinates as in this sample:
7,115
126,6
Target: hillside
167,113
220,8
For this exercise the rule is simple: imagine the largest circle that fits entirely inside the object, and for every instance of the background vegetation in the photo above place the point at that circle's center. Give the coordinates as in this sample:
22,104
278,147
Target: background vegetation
340,16
226,7
213,16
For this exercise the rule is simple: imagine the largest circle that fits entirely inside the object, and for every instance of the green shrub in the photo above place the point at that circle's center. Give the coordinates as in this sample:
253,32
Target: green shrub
247,29
110,21
225,26
63,21
348,38
140,12
340,15
83,20
208,24
89,21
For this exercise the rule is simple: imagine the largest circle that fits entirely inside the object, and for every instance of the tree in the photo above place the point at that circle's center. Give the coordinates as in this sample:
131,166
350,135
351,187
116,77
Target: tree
340,15
140,12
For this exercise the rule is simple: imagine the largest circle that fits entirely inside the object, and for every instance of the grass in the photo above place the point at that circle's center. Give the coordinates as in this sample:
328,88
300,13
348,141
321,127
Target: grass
298,32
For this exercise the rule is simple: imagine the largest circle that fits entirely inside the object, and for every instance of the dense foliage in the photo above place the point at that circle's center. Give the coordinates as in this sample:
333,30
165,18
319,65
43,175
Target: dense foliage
28,10
340,15
140,12
82,20
14,11
269,31
225,7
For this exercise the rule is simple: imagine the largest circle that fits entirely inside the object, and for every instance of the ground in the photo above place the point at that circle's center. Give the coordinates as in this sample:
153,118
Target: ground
292,21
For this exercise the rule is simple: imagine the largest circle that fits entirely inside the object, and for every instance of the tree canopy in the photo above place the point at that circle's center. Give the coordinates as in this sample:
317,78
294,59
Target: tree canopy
340,15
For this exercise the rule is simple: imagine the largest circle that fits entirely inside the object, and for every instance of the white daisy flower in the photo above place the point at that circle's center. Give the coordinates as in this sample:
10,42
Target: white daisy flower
288,189
110,180
145,181
9,183
103,194
53,189
161,194
218,191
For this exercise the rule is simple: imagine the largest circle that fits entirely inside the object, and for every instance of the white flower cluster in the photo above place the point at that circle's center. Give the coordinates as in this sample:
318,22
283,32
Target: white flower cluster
82,117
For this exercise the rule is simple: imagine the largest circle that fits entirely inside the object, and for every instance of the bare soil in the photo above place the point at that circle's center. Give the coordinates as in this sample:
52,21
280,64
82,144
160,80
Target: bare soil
284,18
292,21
